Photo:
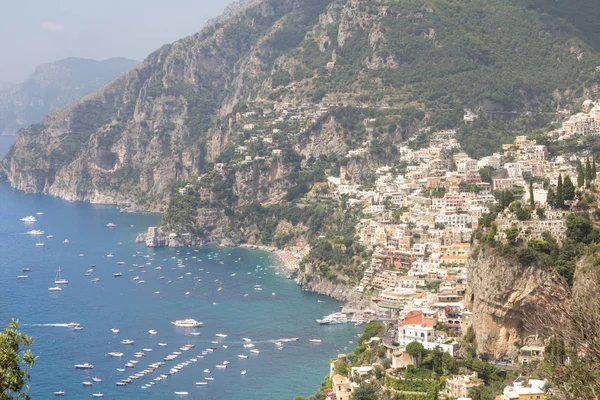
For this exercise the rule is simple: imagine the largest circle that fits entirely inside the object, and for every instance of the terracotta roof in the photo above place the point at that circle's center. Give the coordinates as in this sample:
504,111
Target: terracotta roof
416,317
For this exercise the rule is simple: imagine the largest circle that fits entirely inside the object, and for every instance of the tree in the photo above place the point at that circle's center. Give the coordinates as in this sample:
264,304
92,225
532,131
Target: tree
594,169
541,213
415,349
365,391
560,196
13,354
551,197
588,172
531,198
512,233
579,227
580,175
568,189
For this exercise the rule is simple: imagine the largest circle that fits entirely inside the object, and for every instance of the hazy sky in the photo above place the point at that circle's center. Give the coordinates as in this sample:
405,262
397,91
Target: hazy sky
34,32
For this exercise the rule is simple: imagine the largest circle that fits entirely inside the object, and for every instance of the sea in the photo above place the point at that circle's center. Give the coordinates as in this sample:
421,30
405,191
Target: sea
214,285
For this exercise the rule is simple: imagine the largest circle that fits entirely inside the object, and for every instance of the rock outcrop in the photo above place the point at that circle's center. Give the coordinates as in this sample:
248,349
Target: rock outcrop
509,302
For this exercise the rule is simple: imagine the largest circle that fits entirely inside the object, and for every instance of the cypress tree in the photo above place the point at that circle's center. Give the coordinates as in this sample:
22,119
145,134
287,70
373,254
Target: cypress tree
531,199
594,169
551,198
560,197
580,175
568,189
588,172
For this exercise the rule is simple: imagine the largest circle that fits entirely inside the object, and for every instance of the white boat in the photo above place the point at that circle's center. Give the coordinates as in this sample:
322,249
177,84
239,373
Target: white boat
98,380
95,280
221,335
206,371
73,324
152,332
22,277
117,274
66,241
121,369
35,232
243,372
255,351
141,282
29,218
77,328
55,289
315,340
60,280
187,323
115,354
49,237
209,378
127,341
195,333
40,244
245,339
114,330
181,393
97,395
335,318
111,225
242,356
39,213
60,393
221,366
87,383
84,366
201,383
162,344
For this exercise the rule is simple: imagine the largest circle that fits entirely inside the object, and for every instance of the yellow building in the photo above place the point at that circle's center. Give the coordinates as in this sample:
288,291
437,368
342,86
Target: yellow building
342,387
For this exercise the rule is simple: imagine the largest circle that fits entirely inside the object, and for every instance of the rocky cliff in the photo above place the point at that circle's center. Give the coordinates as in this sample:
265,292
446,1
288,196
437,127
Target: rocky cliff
509,302
176,114
53,86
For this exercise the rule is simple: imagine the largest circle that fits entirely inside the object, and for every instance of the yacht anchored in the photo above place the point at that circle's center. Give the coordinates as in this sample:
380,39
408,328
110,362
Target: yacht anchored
60,393
115,354
117,274
59,280
114,330
152,332
187,323
29,218
335,318
84,366
35,232
127,341
55,289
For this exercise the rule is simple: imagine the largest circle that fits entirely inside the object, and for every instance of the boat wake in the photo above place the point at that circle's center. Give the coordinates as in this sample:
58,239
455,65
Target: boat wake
56,325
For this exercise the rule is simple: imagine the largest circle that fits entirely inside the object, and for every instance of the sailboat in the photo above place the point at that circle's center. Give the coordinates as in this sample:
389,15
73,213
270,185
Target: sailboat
59,280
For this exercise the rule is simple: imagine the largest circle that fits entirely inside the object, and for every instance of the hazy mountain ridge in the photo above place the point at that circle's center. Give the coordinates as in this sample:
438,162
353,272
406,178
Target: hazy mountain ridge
54,85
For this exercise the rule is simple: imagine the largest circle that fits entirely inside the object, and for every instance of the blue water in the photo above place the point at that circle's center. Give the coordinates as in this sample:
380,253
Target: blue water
135,308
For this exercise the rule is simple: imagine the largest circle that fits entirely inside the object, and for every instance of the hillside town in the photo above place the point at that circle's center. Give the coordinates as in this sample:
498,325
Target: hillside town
418,221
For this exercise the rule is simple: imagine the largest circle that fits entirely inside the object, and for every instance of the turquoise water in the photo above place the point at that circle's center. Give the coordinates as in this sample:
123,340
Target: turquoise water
237,310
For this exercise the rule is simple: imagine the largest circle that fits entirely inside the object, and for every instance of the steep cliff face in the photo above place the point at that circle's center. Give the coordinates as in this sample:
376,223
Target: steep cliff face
55,85
509,302
175,114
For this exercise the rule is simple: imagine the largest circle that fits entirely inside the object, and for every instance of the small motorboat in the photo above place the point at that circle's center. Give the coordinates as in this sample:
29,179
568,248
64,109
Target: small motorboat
152,332
114,330
60,393
84,366
244,372
87,383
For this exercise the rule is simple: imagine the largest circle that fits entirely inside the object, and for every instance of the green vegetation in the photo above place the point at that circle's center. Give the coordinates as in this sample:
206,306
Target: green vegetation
15,361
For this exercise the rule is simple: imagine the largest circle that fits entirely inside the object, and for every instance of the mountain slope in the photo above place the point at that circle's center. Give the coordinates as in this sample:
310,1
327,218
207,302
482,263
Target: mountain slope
55,85
181,109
